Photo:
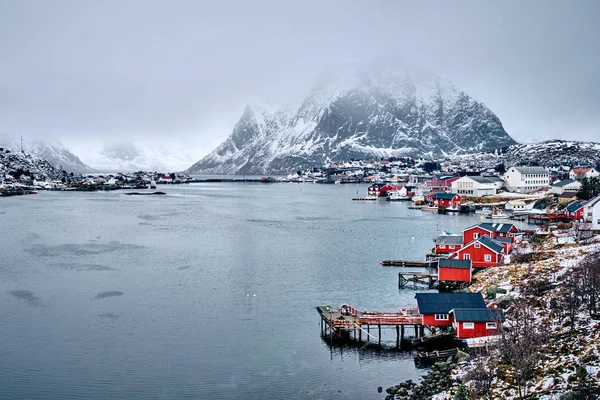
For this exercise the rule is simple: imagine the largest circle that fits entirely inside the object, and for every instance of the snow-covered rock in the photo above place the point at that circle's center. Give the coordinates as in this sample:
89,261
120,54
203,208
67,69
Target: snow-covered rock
11,162
376,112
51,150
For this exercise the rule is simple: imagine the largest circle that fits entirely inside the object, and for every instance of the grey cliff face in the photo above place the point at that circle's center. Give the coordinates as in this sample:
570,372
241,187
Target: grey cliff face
377,114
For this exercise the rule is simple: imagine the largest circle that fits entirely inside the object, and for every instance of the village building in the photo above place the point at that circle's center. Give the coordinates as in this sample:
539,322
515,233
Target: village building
476,186
515,205
453,270
434,308
483,252
526,179
444,199
580,173
448,244
492,230
441,181
476,322
592,213
566,197
566,185
575,208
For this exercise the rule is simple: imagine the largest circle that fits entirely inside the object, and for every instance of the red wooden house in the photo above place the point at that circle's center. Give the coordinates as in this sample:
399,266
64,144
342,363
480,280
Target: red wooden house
492,230
448,244
483,252
444,199
574,209
454,270
443,181
476,322
434,308
506,242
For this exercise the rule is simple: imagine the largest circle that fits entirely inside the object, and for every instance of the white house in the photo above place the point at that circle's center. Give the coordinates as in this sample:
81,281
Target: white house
515,205
579,173
566,185
526,179
591,212
473,186
498,182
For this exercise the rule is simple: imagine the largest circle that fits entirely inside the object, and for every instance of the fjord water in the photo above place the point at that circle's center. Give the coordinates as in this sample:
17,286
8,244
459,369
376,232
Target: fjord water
207,292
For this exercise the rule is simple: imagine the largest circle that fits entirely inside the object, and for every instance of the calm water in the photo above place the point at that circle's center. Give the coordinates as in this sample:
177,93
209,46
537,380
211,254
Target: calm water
208,292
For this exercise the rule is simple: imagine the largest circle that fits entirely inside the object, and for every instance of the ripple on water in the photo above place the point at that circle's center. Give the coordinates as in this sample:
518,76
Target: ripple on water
109,315
84,267
81,249
109,293
28,296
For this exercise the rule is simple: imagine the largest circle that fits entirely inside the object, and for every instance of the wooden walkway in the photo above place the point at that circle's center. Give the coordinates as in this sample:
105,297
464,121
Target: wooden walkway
403,263
404,278
348,318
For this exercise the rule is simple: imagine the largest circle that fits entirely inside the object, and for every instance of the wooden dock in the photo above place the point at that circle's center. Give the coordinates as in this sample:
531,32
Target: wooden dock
410,264
405,278
349,319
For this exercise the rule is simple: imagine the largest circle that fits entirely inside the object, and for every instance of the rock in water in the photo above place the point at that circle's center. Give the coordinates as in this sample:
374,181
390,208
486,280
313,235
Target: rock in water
380,112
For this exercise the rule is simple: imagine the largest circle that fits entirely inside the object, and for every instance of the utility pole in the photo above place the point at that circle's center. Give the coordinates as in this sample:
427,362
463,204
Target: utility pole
21,143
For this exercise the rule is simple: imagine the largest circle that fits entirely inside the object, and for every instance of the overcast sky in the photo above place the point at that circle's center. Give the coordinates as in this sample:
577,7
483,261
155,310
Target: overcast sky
83,70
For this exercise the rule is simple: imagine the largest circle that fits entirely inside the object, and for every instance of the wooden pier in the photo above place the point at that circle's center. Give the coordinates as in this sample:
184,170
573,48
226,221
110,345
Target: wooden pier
405,278
334,322
410,264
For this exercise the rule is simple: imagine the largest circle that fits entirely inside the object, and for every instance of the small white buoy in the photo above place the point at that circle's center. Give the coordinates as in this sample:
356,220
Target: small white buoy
412,238
254,295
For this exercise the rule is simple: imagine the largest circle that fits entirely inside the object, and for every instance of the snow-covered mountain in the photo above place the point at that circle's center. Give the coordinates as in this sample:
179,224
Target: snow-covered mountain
130,156
376,112
51,150
547,154
10,162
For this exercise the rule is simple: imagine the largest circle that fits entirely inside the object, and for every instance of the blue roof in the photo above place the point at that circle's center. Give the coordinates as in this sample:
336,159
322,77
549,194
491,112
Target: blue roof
494,227
564,182
454,263
478,314
491,243
442,303
503,239
575,205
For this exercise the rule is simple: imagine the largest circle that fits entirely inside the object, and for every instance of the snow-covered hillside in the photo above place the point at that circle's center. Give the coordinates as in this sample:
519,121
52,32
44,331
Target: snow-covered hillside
13,161
130,156
548,153
375,112
50,150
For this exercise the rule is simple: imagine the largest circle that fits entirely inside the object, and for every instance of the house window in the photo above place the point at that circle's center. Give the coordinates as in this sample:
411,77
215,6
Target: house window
476,236
451,246
466,256
488,257
441,317
490,325
477,245
442,246
468,325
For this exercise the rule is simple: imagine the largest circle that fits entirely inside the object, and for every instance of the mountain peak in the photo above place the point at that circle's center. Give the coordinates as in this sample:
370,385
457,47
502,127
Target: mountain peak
373,111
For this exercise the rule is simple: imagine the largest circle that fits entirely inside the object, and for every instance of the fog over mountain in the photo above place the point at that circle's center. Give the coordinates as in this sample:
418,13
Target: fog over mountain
382,110
150,72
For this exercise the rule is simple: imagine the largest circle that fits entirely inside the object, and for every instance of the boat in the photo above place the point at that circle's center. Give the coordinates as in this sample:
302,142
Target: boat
452,210
268,179
497,215
430,208
153,185
366,198
484,210
396,196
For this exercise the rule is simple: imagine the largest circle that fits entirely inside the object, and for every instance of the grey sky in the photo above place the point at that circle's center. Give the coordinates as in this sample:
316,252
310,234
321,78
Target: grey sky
185,69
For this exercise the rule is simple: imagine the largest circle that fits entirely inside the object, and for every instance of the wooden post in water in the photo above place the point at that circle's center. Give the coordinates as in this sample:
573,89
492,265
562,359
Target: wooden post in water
368,332
402,333
398,336
379,327
416,331
360,333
